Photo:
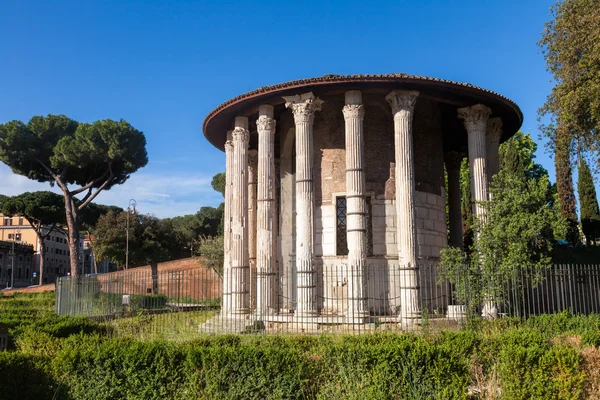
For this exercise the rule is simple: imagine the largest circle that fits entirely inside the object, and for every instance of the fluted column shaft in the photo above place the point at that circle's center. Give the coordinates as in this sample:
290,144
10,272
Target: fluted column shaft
266,294
227,225
453,161
356,207
403,103
252,187
304,107
476,121
240,270
476,118
493,135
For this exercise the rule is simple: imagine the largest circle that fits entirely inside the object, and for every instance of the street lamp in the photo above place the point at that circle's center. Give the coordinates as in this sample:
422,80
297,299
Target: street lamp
12,271
132,204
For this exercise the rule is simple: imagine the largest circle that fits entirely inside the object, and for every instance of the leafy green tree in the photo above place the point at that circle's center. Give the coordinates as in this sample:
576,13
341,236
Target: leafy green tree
211,250
588,203
150,240
519,228
518,233
218,183
93,211
93,157
45,212
570,47
189,229
518,153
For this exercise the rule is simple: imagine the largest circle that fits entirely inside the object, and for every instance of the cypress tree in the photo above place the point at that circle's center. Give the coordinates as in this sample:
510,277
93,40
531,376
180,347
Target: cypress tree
510,159
588,203
564,183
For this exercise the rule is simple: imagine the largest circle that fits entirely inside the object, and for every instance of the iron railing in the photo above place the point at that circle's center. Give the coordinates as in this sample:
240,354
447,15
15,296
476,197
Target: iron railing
387,297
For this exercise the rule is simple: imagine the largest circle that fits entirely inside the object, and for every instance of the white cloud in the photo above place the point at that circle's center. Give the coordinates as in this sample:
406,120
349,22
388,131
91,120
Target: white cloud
164,194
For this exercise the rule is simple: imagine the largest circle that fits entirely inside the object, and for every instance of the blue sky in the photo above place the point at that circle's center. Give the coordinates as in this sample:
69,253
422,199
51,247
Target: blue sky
163,66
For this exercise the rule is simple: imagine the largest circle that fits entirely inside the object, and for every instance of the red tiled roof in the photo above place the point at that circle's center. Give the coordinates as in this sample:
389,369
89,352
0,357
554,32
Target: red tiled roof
334,79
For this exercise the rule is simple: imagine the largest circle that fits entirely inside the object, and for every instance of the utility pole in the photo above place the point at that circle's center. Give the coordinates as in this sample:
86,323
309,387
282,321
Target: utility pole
132,203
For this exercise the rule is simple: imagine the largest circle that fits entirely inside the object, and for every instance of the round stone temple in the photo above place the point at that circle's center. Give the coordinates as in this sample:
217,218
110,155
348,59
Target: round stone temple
339,173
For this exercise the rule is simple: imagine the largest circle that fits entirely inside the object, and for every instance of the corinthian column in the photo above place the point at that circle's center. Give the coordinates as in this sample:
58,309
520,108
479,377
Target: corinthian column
453,160
356,206
252,183
407,285
266,295
492,144
476,118
304,106
227,225
239,219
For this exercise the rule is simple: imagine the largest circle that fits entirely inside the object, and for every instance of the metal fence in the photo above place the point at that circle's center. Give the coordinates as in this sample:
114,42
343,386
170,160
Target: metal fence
185,303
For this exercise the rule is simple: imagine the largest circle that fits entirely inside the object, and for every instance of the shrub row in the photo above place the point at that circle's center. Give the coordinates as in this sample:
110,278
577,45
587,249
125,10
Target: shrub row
546,357
519,363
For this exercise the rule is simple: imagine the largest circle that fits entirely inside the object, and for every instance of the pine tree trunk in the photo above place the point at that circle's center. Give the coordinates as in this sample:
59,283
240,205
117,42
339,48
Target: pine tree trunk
72,216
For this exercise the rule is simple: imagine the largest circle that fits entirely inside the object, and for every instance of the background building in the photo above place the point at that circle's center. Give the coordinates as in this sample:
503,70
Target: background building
23,264
57,260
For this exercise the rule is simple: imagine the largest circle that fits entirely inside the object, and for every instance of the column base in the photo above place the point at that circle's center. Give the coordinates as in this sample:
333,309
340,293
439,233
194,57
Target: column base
457,313
239,311
411,323
489,310
358,320
307,314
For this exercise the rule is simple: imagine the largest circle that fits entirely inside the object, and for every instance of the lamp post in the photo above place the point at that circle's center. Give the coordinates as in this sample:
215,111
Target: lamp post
132,204
12,271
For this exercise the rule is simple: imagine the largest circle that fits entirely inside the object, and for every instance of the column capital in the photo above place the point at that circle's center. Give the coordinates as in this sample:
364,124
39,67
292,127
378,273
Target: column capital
303,106
475,117
494,130
453,159
402,101
265,124
240,134
354,111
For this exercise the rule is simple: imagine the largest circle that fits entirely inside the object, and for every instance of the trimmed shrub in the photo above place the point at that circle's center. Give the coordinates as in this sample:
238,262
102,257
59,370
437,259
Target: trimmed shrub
21,377
142,302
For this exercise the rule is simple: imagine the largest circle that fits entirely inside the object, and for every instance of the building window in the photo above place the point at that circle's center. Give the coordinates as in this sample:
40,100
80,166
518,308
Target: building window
18,236
342,238
20,221
8,221
342,225
11,236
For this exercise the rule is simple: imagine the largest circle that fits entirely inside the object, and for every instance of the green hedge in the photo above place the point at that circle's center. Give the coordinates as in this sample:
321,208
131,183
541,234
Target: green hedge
527,365
113,302
142,302
74,358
